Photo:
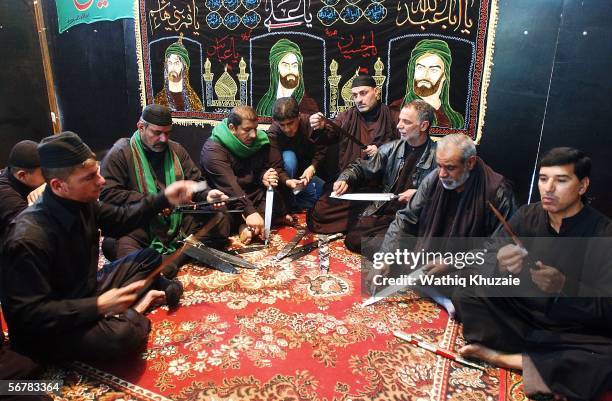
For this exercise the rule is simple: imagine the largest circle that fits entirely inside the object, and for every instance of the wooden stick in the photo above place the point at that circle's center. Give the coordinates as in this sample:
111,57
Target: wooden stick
438,351
343,132
207,227
507,227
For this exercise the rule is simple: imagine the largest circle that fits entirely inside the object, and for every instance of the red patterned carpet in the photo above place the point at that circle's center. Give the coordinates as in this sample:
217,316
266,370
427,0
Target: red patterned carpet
289,332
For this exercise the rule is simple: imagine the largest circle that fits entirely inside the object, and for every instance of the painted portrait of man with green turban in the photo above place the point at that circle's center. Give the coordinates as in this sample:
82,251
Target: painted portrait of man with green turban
177,94
286,79
429,78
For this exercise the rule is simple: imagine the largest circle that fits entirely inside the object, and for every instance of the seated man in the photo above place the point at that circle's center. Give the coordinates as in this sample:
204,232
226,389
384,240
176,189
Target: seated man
18,180
369,121
56,302
401,164
238,160
560,338
145,164
451,202
290,133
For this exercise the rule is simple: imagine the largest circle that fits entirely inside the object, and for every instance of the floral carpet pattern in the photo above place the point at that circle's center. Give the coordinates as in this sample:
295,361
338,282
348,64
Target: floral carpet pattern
289,331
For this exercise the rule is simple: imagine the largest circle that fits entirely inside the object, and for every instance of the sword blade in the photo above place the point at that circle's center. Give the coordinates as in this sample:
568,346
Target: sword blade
234,260
247,249
392,289
268,215
309,247
344,132
372,197
202,255
291,244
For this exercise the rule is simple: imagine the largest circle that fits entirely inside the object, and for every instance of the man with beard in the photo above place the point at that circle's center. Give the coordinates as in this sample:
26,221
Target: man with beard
177,93
145,164
286,79
451,202
369,121
401,164
557,328
429,79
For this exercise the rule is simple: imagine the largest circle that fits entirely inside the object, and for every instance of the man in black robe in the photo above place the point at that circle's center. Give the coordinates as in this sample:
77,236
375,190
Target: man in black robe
56,302
145,164
239,160
290,132
558,331
400,166
369,121
451,202
19,182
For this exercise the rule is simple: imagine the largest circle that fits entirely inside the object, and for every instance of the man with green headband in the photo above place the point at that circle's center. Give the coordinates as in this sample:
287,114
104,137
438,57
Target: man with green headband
145,164
239,160
286,79
177,93
429,75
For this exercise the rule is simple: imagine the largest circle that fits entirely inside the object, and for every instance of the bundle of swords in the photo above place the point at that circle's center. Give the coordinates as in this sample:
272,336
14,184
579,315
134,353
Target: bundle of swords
214,258
207,207
292,252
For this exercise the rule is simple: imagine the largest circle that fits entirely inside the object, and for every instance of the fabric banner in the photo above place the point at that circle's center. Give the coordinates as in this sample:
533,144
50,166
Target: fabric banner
73,12
203,57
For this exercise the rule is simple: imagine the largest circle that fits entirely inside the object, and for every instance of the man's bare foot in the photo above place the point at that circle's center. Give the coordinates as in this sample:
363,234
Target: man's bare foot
246,235
495,358
151,299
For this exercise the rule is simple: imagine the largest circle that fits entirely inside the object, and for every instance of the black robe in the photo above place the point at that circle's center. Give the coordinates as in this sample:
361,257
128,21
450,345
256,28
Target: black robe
565,340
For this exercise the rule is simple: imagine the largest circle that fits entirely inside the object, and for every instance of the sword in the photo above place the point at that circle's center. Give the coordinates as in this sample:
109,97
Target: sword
268,215
208,211
226,257
343,132
309,247
372,197
291,244
200,205
235,260
247,249
392,289
201,254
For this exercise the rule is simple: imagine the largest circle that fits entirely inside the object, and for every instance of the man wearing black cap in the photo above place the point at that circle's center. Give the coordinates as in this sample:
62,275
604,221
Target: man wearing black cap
145,164
369,121
56,302
17,181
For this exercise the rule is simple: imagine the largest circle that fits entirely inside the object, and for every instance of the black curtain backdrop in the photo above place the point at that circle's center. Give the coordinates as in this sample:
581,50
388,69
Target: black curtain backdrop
549,87
24,108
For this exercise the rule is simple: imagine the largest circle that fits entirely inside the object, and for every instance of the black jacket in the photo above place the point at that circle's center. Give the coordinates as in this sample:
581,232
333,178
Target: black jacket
49,264
388,162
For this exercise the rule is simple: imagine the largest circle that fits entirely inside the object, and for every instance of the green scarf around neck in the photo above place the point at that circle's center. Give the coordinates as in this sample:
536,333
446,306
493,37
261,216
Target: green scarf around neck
222,134
146,185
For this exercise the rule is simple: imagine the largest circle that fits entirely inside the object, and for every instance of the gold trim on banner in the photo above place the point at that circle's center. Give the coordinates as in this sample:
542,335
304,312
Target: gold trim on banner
487,67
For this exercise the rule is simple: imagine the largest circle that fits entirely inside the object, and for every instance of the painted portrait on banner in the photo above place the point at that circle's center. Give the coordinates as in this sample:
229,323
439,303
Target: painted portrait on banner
174,88
430,74
286,77
253,52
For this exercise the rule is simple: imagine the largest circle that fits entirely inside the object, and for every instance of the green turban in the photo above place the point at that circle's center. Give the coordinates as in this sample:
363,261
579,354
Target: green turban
180,50
439,48
277,52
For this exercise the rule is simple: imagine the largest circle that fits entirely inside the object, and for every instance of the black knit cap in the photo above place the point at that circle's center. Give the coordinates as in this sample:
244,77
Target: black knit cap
157,114
24,155
63,150
363,80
